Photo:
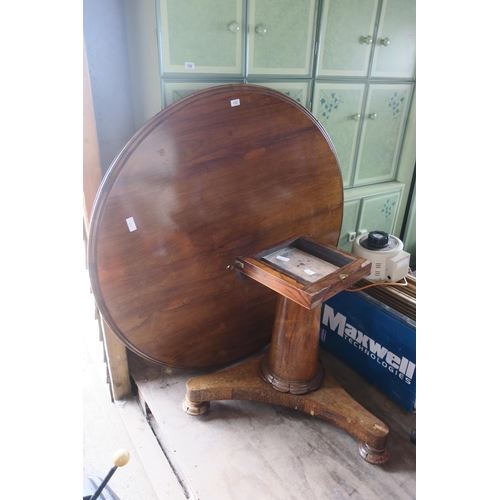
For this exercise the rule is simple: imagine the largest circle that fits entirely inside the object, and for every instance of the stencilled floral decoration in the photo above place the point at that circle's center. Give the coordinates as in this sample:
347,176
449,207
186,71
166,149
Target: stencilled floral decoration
387,208
296,95
329,103
394,102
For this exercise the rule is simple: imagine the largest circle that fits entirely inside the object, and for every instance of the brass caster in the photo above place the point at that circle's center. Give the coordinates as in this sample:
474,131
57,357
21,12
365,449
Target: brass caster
371,455
195,408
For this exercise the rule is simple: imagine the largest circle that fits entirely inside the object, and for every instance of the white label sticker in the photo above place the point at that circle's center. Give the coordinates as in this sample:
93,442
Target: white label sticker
309,272
235,102
280,257
131,224
189,65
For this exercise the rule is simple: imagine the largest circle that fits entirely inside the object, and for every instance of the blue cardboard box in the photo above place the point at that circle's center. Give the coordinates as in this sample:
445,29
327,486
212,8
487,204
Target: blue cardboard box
375,340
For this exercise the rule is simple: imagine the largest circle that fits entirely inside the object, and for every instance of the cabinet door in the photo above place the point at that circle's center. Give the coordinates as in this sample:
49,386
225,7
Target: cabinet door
349,225
281,34
338,107
347,31
383,125
378,213
395,46
298,91
201,37
174,91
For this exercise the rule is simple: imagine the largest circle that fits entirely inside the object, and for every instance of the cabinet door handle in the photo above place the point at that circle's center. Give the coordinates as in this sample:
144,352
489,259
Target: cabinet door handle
372,116
356,117
366,39
385,42
260,30
233,27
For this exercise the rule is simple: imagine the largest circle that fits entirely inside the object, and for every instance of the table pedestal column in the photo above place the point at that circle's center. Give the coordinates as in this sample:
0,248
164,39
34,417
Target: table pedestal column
292,364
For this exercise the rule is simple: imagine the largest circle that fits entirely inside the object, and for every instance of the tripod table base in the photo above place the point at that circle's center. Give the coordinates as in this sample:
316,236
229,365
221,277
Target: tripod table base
329,402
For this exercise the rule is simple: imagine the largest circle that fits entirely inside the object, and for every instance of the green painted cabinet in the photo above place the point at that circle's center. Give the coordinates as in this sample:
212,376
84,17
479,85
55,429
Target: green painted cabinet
281,37
348,232
196,36
395,49
363,85
350,62
338,107
175,90
200,37
368,209
379,212
359,34
298,90
347,31
381,135
367,131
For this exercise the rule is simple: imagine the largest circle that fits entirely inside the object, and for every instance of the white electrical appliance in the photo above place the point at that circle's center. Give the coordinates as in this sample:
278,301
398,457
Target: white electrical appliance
389,261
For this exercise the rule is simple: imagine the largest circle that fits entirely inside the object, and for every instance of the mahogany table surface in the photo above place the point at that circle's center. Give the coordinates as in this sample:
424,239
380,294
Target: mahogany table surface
219,174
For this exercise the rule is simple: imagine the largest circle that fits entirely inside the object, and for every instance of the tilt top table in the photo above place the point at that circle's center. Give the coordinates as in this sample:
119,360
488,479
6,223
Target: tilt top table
221,174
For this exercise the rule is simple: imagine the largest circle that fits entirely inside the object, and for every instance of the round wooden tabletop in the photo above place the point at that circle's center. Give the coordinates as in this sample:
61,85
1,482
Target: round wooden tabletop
217,175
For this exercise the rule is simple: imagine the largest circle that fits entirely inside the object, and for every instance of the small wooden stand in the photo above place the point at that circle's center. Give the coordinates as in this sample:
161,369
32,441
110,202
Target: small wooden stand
305,273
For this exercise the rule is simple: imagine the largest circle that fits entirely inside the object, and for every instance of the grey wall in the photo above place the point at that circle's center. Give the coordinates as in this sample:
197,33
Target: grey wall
106,44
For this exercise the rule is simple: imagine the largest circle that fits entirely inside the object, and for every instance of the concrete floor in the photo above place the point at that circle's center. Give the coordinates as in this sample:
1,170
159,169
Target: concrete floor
104,422
104,432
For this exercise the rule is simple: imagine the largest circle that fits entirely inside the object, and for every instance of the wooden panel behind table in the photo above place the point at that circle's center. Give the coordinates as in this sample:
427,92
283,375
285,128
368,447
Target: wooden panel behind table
205,183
